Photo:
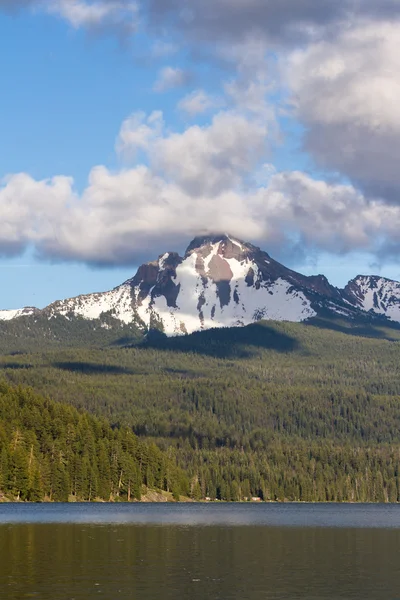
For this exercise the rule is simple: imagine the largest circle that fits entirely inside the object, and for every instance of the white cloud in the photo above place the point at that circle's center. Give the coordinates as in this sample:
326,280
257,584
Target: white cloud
30,210
122,217
341,66
107,14
331,217
170,78
199,180
200,160
138,132
346,92
215,157
198,102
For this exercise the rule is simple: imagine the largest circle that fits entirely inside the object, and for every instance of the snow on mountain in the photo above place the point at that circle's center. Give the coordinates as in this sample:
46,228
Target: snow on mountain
208,289
224,282
117,302
8,315
376,294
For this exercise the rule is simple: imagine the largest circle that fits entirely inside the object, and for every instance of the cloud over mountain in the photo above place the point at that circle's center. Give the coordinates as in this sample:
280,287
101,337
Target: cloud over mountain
121,216
331,69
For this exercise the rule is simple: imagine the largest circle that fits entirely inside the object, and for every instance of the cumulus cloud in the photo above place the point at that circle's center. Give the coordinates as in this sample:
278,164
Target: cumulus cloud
286,22
138,132
182,183
170,78
279,21
346,93
198,102
338,64
120,16
121,217
102,14
201,160
29,210
332,217
195,181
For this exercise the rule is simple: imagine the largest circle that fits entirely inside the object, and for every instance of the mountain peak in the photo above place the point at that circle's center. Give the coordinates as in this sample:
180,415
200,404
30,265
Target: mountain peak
226,241
225,282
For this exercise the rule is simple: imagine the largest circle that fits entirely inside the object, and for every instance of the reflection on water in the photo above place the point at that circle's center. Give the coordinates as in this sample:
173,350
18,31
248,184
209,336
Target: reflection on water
60,561
285,515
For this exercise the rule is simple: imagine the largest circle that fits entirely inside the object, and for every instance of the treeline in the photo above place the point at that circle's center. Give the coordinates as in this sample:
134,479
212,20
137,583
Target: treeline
316,472
30,333
54,452
51,451
275,411
328,386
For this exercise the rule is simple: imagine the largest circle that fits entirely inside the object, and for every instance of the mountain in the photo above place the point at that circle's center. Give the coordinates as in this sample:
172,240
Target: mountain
224,282
376,294
8,315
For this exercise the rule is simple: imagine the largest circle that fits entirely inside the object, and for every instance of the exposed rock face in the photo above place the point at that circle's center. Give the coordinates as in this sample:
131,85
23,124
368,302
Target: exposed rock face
158,279
376,295
223,282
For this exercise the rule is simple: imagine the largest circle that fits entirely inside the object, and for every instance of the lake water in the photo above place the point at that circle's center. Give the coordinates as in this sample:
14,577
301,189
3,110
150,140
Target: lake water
199,551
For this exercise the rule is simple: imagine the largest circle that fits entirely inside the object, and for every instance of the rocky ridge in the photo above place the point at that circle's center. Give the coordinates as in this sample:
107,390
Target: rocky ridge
224,282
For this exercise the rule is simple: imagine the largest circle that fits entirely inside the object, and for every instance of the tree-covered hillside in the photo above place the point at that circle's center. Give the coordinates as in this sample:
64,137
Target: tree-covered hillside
276,410
29,333
51,451
230,388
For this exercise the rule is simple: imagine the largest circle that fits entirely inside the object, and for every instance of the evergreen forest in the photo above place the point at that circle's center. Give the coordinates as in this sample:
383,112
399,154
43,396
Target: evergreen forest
276,411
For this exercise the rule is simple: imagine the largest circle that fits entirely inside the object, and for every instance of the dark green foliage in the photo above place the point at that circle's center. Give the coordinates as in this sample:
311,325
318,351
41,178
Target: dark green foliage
49,450
25,334
320,385
321,472
274,410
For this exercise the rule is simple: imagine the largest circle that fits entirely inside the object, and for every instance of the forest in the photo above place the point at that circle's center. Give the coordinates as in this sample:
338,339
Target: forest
51,451
276,411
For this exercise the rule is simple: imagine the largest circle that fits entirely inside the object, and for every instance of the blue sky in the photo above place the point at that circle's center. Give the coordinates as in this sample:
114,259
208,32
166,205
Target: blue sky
117,145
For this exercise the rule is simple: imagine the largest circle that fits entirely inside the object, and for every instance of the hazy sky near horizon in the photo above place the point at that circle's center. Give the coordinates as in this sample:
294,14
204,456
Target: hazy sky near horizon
128,127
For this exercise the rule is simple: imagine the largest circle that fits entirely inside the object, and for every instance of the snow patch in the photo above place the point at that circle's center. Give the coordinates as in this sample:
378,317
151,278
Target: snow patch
162,260
379,295
8,315
236,242
277,300
117,302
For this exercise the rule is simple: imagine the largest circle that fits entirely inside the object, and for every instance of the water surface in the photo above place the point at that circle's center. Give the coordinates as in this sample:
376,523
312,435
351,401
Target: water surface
207,552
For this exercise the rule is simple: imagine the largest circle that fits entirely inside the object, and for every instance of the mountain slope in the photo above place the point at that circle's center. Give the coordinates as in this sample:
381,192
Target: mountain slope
300,412
51,451
376,294
8,315
224,282
219,282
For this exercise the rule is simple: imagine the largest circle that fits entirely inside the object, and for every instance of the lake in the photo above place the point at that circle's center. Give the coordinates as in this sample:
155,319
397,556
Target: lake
199,551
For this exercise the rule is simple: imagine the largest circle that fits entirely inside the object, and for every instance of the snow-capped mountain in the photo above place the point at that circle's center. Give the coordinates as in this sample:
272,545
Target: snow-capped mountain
8,315
375,294
223,282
